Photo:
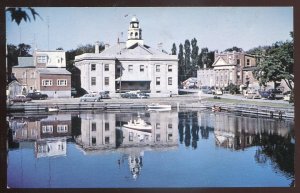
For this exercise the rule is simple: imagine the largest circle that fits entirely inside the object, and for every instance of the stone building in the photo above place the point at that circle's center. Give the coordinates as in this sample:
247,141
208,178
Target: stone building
229,67
130,65
233,67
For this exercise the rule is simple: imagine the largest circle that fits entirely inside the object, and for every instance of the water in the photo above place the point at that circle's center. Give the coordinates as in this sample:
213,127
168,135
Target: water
183,149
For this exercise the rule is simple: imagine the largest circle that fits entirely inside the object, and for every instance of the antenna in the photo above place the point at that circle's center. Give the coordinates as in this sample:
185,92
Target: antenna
48,26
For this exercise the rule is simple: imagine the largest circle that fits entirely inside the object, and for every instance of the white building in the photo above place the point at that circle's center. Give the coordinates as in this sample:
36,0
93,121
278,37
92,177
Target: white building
50,59
129,66
206,77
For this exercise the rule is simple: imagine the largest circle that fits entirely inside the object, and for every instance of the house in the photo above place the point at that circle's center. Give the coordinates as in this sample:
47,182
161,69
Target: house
233,67
206,77
55,82
44,71
191,82
128,66
14,88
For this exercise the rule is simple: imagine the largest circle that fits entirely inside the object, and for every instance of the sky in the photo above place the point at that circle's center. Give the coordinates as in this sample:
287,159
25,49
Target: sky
217,28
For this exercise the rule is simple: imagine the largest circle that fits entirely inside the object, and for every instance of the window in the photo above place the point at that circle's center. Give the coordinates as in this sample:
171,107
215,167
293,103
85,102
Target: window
157,68
248,62
106,140
62,128
169,80
157,80
157,125
170,137
42,59
94,127
169,126
47,82
238,61
106,126
169,68
93,67
93,81
61,82
142,68
94,141
106,67
157,137
32,75
106,80
47,129
130,68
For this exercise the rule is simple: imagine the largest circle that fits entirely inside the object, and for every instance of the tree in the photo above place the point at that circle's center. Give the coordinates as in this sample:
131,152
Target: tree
194,57
277,64
180,64
174,49
234,48
18,14
187,59
13,52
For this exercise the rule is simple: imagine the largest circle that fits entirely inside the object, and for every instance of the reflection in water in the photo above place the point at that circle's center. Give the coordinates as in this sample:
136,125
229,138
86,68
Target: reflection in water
103,133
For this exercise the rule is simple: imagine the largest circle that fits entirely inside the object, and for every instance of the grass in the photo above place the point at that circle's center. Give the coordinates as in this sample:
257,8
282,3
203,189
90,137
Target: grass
247,102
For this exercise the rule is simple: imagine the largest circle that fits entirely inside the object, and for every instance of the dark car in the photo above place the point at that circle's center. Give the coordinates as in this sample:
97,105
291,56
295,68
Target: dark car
20,99
104,94
271,94
37,96
143,95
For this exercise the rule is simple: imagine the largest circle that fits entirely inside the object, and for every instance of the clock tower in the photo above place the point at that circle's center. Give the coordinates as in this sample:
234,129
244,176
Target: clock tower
134,33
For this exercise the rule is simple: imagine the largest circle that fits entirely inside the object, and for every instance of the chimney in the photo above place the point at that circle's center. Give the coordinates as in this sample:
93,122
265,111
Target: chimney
216,54
160,46
204,66
97,47
106,46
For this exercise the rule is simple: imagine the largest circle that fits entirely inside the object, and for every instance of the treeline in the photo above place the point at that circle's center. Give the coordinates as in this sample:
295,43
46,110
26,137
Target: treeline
190,60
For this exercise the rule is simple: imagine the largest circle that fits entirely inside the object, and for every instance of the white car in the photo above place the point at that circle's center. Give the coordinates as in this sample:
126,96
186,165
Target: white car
218,92
90,97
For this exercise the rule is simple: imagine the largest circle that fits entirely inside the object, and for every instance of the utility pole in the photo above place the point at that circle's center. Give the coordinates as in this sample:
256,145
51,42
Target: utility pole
48,26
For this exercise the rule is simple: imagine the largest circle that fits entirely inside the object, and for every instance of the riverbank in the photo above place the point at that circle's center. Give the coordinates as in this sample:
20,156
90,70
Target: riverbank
258,107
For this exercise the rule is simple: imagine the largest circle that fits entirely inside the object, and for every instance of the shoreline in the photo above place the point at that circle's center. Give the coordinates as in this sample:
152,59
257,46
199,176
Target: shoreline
254,107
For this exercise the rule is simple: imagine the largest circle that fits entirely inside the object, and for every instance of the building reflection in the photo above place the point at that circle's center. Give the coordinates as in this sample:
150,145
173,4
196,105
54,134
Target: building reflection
238,132
104,131
47,133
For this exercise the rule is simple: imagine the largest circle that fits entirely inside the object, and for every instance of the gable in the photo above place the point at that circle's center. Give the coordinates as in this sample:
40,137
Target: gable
220,62
138,49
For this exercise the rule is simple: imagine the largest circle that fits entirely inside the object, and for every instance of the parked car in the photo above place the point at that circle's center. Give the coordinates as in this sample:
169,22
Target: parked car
271,94
37,96
20,99
90,98
218,92
252,94
206,90
104,94
130,94
143,95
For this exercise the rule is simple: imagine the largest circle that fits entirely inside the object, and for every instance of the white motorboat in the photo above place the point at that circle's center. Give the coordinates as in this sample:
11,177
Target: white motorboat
138,124
159,107
53,109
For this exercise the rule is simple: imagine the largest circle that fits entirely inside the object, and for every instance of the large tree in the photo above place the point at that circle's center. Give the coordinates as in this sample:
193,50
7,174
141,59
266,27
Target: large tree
13,52
277,64
187,59
174,50
194,57
180,64
234,48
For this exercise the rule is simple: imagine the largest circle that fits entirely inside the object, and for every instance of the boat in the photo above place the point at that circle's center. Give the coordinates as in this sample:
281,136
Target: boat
159,107
216,108
139,125
53,109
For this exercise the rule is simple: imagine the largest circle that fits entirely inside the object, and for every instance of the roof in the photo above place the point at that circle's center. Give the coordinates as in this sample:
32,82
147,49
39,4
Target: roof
25,62
136,51
54,71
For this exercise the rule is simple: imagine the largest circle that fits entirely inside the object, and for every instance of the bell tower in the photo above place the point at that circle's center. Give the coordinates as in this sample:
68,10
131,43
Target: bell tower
134,33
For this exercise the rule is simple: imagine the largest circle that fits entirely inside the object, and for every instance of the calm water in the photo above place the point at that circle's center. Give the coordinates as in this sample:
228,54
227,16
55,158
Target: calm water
183,149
